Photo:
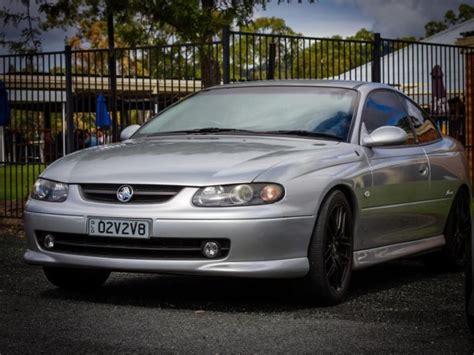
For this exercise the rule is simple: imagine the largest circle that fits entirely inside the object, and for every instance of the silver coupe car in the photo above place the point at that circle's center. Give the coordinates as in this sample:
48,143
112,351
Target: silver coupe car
271,179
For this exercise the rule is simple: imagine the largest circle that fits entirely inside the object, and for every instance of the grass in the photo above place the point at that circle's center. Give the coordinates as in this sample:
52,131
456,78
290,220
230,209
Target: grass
16,180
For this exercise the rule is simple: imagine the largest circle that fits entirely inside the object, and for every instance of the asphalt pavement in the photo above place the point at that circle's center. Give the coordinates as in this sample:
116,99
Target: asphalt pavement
396,307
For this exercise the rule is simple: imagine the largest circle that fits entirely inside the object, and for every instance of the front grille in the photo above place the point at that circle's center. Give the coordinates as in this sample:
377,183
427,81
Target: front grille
156,248
141,193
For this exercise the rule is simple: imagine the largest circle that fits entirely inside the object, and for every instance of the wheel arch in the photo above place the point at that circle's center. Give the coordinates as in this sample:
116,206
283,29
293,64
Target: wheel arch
351,197
353,203
321,284
463,188
466,188
349,193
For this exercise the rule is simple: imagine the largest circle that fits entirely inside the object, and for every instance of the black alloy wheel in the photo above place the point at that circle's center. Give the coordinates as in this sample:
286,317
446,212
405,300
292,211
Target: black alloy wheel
330,251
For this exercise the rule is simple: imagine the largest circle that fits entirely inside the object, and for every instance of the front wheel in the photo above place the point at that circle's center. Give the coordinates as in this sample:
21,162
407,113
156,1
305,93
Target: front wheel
76,279
330,251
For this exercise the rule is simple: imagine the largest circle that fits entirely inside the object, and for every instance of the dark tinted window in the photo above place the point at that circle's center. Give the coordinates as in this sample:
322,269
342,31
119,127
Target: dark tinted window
384,108
424,128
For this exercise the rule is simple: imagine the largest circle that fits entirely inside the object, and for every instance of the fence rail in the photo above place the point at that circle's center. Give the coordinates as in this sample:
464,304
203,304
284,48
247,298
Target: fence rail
53,96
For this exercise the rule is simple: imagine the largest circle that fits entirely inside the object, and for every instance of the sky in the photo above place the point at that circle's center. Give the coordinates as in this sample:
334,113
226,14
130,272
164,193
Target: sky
392,18
323,18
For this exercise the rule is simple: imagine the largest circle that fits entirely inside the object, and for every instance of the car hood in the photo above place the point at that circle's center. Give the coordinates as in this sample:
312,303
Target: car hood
186,160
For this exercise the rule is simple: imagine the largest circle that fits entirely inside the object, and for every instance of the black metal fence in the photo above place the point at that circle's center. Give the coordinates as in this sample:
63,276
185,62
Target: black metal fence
53,96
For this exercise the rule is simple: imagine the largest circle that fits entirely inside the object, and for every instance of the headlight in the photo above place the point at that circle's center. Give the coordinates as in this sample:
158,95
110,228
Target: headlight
47,190
238,195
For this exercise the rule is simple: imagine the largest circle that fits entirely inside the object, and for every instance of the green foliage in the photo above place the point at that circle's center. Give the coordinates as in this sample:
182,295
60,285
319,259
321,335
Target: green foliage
363,35
465,12
16,180
137,22
269,25
152,22
28,121
296,57
28,40
408,38
433,27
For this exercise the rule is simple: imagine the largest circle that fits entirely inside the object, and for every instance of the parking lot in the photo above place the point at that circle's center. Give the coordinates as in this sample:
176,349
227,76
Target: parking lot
397,307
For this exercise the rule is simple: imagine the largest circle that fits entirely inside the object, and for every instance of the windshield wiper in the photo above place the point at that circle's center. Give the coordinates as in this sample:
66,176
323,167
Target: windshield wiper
210,130
306,134
205,130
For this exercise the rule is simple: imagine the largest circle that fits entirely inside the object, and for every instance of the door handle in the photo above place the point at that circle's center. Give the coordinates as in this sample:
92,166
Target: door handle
423,170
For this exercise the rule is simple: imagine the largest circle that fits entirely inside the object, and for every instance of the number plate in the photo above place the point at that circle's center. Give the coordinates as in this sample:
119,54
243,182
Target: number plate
114,227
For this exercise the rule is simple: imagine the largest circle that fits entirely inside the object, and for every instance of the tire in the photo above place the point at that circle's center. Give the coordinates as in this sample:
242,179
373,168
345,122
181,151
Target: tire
457,232
468,286
330,252
470,323
76,279
468,293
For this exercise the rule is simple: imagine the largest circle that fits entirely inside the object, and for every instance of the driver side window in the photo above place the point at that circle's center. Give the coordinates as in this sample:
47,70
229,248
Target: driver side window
425,129
383,108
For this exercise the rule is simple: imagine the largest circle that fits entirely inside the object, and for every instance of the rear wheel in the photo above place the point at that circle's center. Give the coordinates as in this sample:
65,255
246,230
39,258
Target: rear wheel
457,233
76,279
330,252
470,321
468,287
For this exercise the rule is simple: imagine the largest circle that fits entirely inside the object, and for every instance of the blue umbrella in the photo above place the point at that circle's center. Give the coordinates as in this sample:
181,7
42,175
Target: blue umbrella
102,117
4,106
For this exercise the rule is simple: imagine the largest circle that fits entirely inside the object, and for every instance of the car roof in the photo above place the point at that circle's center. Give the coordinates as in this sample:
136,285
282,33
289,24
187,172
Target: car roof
349,84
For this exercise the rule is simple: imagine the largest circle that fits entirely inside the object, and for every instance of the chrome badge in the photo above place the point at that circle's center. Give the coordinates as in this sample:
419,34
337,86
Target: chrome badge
124,193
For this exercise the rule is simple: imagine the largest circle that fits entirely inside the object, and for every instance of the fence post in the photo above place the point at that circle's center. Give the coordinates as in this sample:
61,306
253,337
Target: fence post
113,96
271,61
69,101
226,55
113,78
376,55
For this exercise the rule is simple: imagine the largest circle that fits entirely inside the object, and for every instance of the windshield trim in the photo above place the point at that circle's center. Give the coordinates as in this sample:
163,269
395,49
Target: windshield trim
354,109
315,136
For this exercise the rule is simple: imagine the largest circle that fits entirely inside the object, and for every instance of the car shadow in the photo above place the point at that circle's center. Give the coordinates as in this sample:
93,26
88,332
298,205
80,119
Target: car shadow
391,275
190,292
235,294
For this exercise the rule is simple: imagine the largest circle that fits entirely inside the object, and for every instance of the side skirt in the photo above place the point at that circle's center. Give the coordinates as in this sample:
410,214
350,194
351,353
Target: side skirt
369,257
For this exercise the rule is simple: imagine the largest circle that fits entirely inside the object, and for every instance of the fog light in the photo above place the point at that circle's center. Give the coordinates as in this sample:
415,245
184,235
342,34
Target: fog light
211,249
48,241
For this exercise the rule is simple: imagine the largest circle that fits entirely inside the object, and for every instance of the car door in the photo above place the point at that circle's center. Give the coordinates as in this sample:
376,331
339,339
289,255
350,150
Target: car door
400,177
444,160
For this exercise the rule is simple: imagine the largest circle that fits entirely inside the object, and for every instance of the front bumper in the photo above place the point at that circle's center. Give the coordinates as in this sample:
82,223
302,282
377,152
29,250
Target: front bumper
264,247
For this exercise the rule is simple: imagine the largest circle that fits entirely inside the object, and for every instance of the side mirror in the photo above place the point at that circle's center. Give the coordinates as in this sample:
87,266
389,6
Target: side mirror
385,136
127,132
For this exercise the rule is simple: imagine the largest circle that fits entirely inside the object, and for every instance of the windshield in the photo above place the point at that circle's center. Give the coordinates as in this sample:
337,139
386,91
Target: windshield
279,110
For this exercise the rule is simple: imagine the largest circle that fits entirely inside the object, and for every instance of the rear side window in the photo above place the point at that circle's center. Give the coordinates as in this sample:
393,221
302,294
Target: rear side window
384,108
424,128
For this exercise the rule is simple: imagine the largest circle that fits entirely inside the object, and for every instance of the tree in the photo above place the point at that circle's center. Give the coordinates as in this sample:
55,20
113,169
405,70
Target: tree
189,20
433,27
249,50
269,25
465,12
29,39
150,22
